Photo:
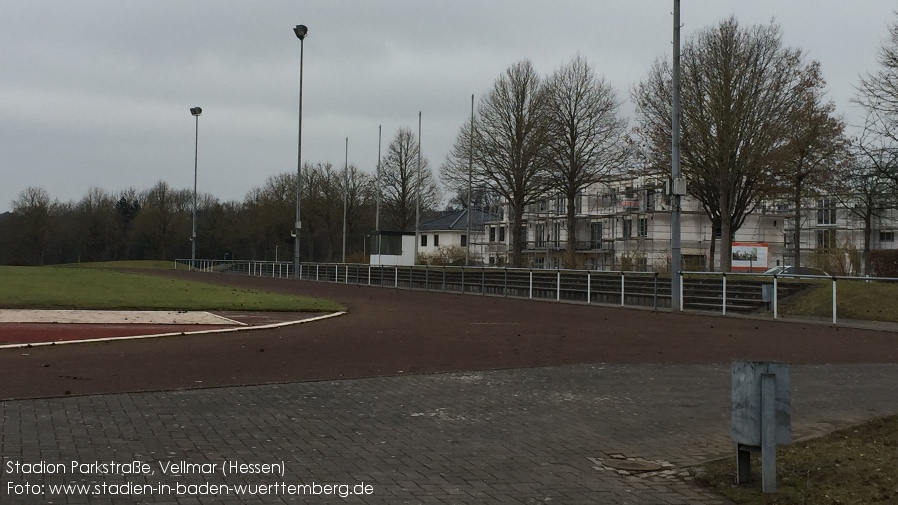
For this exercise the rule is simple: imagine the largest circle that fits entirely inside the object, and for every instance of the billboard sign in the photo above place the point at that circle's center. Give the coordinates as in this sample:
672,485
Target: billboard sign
749,256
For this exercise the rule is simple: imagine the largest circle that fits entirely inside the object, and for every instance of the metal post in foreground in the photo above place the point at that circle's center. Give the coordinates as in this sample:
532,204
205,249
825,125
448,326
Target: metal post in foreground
676,278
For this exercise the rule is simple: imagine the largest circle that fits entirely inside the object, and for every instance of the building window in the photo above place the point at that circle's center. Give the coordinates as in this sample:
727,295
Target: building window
492,233
501,234
595,235
436,240
886,236
650,199
826,240
627,228
556,234
539,262
423,240
826,211
464,240
540,235
643,227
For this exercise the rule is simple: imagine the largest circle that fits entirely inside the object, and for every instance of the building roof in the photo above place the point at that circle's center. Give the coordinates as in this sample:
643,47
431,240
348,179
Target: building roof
458,221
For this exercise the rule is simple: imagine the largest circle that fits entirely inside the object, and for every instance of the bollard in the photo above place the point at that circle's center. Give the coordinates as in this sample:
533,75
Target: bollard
558,287
531,283
834,299
622,288
724,305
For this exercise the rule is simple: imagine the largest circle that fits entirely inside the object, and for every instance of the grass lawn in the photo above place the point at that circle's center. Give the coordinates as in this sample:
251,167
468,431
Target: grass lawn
870,301
852,466
157,264
87,288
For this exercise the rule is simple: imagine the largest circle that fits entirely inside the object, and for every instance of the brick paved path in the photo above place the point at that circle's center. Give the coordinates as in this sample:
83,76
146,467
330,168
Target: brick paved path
535,435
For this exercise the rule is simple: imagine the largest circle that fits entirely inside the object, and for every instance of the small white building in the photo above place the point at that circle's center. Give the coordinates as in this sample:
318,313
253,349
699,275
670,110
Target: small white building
392,248
445,240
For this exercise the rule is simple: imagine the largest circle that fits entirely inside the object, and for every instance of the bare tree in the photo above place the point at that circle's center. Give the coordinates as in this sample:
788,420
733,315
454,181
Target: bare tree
509,137
269,220
32,211
863,187
402,184
586,136
878,94
359,189
815,145
878,91
164,222
739,90
97,227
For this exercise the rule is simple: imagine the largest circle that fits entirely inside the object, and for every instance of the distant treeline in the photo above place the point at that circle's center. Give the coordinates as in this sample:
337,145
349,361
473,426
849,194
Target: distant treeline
157,223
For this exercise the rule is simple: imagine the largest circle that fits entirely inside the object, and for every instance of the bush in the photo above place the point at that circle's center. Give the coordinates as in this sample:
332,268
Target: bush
446,255
884,262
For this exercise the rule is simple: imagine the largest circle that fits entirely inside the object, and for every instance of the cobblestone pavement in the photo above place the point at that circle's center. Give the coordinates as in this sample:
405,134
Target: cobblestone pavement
536,435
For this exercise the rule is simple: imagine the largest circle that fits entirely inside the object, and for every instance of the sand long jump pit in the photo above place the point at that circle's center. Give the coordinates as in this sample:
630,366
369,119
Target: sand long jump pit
29,328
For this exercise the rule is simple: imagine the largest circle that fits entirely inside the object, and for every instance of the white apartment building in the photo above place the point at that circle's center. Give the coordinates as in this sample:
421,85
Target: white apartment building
625,225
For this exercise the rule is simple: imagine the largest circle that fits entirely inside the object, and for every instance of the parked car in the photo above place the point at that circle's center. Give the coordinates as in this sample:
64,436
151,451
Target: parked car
789,270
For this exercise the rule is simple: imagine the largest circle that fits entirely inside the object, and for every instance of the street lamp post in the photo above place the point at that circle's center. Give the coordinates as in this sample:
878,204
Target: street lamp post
300,32
195,111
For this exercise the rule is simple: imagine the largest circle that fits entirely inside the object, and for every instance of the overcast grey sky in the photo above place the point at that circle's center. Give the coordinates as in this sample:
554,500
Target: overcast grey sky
97,93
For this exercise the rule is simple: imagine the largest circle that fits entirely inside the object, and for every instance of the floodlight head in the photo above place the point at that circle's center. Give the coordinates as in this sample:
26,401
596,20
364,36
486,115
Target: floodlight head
300,31
196,111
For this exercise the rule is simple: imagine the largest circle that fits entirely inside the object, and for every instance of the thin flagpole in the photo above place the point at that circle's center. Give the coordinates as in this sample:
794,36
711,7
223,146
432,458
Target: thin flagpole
345,195
378,195
418,193
470,170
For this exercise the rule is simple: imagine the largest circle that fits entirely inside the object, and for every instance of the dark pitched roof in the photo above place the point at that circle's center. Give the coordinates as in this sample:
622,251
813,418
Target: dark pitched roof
458,221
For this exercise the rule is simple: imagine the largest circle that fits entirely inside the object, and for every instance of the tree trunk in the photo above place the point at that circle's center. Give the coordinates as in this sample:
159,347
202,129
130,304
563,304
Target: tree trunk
570,251
796,232
726,235
868,231
517,212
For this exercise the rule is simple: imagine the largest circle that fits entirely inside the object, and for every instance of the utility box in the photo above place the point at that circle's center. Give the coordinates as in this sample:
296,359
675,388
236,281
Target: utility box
762,415
767,293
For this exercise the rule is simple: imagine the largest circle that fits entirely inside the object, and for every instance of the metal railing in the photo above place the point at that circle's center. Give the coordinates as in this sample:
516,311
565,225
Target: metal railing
584,286
772,286
707,291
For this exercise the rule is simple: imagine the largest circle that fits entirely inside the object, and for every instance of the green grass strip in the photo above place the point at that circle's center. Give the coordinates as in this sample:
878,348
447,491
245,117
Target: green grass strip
83,288
155,264
851,466
867,301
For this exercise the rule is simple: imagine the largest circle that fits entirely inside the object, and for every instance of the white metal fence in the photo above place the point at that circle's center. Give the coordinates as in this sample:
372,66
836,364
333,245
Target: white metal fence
709,291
